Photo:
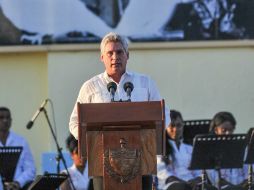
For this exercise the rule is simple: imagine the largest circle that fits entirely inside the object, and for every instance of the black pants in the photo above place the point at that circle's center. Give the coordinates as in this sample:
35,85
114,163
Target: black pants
146,183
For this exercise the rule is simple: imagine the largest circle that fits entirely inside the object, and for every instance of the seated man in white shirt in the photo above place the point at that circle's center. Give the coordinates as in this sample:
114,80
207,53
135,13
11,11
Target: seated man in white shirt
25,170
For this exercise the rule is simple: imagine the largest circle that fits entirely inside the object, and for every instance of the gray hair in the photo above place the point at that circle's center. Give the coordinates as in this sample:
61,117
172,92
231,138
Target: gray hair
113,37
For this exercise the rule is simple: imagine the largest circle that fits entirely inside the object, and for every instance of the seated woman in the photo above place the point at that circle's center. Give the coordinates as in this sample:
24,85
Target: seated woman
172,171
224,123
78,171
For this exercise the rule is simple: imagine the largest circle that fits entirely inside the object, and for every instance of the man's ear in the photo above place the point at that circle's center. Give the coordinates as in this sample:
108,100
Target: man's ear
128,55
101,58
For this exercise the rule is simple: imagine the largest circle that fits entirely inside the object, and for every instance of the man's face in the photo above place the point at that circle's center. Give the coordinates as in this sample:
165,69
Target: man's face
175,129
5,121
114,58
77,160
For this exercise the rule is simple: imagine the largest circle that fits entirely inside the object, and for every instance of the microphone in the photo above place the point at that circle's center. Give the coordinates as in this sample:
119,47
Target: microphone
31,122
112,89
128,87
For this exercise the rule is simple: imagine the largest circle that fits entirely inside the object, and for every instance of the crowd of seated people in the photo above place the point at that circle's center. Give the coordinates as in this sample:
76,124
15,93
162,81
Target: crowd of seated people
173,171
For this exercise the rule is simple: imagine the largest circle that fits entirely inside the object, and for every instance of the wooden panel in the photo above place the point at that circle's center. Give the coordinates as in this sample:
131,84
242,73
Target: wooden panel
82,151
111,140
160,132
144,120
95,153
148,159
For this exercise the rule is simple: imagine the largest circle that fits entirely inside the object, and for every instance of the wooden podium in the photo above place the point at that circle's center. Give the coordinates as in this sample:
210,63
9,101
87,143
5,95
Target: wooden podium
121,140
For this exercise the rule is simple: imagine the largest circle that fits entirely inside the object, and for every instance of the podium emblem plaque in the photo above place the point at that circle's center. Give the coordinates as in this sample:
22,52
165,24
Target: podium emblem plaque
122,164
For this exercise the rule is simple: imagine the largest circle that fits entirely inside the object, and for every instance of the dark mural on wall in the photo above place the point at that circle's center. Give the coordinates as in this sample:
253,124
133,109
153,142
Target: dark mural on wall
82,21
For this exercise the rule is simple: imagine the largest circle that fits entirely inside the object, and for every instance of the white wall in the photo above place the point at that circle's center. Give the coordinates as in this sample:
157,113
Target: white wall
67,72
23,86
200,82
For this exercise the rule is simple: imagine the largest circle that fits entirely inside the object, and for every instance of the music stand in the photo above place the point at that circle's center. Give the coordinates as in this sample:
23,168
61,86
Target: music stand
250,157
218,152
48,182
195,127
11,156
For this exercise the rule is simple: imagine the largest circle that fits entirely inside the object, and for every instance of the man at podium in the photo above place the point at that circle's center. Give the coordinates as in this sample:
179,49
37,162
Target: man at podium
111,86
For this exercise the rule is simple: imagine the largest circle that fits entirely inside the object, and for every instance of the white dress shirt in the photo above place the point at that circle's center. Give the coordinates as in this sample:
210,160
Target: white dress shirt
80,180
95,91
178,167
25,170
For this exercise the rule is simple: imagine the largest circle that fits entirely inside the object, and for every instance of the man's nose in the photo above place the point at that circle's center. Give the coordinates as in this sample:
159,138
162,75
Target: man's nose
114,55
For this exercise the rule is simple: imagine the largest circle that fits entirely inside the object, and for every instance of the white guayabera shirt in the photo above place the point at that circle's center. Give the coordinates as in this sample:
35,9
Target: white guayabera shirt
25,170
95,91
80,180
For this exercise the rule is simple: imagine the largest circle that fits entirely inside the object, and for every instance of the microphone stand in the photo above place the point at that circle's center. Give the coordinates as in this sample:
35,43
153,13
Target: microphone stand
250,179
59,150
203,180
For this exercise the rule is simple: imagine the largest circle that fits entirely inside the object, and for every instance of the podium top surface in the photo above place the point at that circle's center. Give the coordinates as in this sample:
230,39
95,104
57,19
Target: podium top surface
218,151
121,113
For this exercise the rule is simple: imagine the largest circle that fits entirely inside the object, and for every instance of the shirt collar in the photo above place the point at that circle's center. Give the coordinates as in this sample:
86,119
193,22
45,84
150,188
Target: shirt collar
173,142
9,139
108,78
74,168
